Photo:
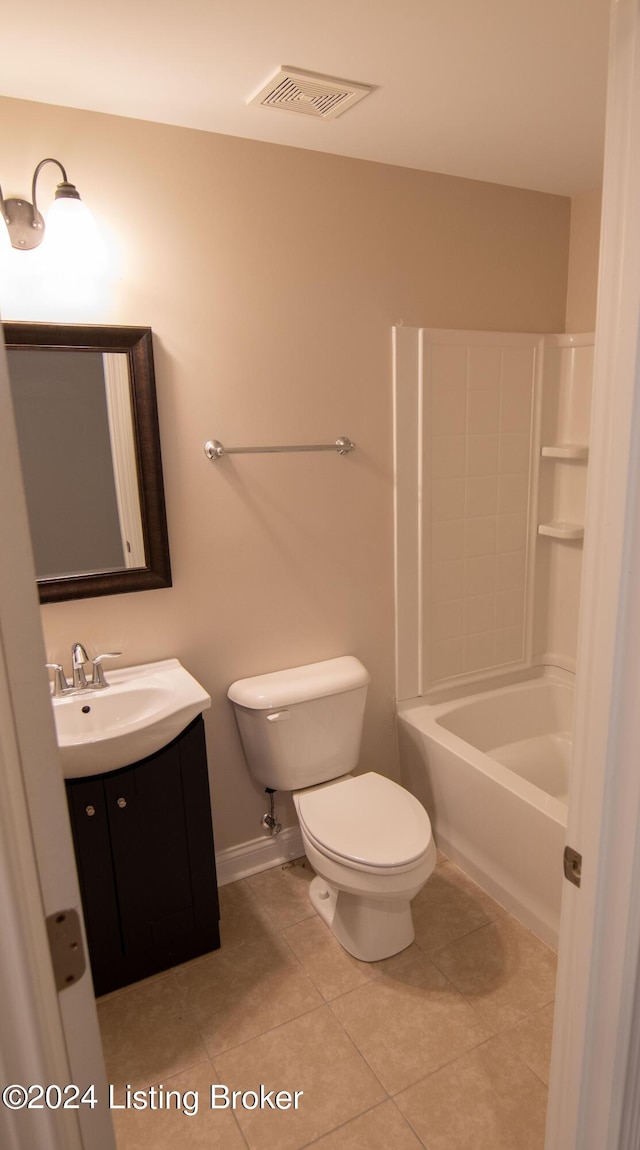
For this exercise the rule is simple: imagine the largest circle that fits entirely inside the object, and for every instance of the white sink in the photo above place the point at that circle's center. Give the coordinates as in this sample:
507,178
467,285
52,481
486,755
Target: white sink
141,710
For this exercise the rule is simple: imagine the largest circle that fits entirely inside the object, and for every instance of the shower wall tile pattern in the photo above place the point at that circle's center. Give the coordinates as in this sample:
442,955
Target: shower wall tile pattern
477,407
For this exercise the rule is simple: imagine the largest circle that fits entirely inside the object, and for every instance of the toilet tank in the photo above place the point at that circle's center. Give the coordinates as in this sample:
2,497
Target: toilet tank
302,726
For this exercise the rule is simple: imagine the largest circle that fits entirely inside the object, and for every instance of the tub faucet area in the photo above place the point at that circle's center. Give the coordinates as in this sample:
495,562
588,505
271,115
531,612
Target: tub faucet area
79,681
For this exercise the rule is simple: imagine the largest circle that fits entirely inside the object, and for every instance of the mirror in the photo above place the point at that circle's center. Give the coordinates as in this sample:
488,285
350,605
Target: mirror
85,407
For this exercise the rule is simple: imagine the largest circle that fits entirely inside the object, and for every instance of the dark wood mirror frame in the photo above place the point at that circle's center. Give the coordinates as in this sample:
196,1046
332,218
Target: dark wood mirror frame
136,343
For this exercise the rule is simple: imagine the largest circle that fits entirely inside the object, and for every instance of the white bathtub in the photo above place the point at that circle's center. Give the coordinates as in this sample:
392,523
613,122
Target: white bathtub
492,770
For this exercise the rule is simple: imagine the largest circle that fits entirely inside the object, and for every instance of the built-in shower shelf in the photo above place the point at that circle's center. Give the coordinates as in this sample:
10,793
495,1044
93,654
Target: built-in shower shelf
561,530
565,451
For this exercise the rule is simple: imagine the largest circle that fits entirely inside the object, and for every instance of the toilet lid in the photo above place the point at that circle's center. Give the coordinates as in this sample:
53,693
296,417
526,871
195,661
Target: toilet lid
368,819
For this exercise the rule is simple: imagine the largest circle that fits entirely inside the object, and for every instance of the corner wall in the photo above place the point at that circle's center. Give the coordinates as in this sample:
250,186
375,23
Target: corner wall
271,277
584,248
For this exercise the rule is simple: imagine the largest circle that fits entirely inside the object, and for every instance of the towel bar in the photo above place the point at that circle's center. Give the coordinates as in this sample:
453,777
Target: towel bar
213,449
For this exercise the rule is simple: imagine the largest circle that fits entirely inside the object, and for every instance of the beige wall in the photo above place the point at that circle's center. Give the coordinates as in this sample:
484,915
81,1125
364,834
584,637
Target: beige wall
271,277
584,246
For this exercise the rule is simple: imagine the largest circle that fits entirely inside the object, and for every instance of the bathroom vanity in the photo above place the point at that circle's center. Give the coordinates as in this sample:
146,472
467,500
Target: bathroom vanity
145,855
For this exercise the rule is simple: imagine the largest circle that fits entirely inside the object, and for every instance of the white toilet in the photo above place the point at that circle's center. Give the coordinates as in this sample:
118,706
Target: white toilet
368,840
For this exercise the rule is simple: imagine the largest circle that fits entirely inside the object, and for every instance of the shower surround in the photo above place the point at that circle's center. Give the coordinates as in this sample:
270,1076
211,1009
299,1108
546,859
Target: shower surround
491,446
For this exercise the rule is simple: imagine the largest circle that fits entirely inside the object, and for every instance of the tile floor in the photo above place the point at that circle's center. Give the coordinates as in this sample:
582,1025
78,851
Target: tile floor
445,1046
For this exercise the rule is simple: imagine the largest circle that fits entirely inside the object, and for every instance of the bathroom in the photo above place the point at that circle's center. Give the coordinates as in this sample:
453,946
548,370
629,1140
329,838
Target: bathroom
280,560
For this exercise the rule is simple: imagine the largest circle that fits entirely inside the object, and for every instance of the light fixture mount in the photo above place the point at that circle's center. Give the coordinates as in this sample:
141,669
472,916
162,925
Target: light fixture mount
24,222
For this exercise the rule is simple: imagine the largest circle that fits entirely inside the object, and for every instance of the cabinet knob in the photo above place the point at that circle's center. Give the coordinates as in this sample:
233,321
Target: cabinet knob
90,811
121,803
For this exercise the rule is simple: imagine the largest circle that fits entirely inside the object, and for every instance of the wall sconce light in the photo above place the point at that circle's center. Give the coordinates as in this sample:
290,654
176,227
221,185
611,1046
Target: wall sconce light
65,276
24,222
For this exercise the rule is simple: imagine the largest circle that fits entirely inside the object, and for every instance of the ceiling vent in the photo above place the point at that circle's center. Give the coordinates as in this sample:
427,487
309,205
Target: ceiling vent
308,93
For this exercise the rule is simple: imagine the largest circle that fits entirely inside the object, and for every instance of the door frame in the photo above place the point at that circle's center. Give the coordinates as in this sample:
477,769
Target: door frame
593,1100
47,1037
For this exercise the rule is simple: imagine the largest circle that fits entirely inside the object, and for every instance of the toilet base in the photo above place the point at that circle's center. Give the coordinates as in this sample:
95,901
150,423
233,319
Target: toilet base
369,929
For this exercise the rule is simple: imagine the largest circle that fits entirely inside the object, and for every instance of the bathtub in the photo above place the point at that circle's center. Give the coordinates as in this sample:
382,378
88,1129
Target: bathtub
492,770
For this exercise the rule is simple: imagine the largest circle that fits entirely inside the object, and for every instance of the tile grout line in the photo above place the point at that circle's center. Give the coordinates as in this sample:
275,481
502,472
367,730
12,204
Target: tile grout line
449,1062
264,1033
192,1018
341,1125
233,1114
183,999
500,1033
424,1076
360,1054
409,1123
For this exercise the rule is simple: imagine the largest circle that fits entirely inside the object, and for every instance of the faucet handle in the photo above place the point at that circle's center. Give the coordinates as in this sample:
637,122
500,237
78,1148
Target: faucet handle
98,679
59,682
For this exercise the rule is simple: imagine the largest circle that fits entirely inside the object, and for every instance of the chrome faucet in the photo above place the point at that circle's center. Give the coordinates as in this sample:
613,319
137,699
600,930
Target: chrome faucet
97,676
79,659
60,684
79,681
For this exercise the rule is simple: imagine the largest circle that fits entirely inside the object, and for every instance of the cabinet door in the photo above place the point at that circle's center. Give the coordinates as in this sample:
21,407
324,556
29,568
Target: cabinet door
146,862
202,864
151,858
92,844
159,814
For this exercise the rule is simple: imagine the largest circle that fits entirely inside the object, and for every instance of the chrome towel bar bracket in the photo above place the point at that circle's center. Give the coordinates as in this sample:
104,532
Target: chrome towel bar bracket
214,450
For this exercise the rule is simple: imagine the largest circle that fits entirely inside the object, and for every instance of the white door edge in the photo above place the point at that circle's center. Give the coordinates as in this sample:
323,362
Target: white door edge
45,1037
596,1015
33,1047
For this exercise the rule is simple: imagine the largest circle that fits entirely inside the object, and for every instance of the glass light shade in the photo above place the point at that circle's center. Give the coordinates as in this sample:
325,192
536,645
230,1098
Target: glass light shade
72,278
72,241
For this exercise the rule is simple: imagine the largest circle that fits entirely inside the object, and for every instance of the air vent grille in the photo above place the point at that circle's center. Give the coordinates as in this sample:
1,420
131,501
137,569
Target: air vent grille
312,95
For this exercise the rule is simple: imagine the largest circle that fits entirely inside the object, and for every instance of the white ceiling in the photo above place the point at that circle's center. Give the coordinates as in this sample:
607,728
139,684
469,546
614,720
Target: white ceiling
511,91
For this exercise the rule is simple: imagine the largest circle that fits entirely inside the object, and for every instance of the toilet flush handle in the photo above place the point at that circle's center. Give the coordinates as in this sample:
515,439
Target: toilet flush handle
277,716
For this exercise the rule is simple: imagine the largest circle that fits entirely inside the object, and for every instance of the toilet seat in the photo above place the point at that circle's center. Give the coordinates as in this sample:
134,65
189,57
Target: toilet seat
366,822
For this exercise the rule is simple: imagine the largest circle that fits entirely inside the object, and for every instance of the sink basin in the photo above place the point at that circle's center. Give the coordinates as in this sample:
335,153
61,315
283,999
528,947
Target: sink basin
141,710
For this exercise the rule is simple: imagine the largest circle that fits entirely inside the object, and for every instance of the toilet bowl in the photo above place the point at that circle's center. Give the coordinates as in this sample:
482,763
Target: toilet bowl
370,843
367,838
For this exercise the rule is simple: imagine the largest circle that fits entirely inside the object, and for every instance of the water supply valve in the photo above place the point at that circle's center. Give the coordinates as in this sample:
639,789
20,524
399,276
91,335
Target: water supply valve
269,821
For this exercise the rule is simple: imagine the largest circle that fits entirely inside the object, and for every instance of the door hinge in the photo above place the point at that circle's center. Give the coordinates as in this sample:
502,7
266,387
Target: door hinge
572,865
66,946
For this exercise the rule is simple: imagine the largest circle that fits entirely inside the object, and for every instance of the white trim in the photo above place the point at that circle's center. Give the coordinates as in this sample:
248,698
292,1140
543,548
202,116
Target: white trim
472,338
577,339
56,1037
554,659
534,495
597,1007
32,1041
617,953
258,854
423,511
32,1048
407,541
630,1116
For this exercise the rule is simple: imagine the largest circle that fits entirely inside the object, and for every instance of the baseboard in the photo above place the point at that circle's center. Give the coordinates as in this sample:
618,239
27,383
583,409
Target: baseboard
258,854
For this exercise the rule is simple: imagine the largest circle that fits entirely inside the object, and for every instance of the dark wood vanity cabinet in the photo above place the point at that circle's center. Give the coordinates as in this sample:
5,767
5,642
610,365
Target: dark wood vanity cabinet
144,849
